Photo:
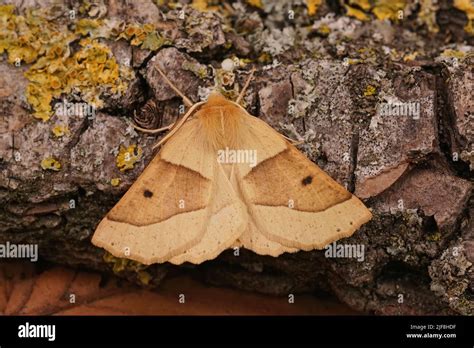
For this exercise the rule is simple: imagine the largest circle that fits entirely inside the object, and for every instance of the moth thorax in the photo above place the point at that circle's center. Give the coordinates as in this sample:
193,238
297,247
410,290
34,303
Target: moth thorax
221,124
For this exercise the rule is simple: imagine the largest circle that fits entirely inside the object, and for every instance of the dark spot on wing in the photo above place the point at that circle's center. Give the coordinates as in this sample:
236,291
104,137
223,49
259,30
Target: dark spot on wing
308,180
147,194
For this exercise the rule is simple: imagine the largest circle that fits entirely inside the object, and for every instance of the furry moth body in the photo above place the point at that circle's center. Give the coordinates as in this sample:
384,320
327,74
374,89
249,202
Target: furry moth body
188,206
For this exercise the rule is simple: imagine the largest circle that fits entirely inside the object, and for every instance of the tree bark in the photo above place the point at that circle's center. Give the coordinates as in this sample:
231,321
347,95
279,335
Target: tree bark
414,171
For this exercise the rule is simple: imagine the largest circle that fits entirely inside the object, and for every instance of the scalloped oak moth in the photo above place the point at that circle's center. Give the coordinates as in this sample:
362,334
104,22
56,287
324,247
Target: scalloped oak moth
189,204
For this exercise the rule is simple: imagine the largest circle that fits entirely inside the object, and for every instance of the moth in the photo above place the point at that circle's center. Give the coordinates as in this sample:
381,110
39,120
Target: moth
226,179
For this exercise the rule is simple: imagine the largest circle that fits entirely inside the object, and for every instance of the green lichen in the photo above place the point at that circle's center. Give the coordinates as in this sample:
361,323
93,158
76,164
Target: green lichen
464,306
434,237
197,69
144,277
145,36
122,265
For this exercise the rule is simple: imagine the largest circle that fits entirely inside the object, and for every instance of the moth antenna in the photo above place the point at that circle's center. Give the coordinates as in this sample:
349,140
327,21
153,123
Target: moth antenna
177,125
293,141
246,85
186,100
153,131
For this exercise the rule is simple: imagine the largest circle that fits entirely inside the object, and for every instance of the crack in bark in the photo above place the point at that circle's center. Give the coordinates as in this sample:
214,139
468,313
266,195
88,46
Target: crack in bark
445,118
354,153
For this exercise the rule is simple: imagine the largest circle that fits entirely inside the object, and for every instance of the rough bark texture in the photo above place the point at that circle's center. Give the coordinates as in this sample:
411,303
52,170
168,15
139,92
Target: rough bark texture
320,86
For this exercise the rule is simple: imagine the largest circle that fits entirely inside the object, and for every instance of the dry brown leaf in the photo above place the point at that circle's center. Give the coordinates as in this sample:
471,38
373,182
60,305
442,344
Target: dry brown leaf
26,290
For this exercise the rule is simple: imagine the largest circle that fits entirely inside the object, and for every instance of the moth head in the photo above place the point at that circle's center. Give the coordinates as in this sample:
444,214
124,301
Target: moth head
216,99
220,118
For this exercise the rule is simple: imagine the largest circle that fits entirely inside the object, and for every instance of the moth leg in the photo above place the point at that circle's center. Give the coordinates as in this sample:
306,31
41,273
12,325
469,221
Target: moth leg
186,100
177,125
172,127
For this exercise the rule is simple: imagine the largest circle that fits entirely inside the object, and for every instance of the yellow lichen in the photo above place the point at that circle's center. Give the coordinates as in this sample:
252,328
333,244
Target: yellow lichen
16,39
60,130
353,12
87,26
50,163
200,5
91,71
367,53
115,181
427,14
434,237
128,156
353,61
468,7
450,53
206,5
6,10
389,9
25,38
382,9
255,3
410,56
363,4
395,55
265,58
313,6
144,36
324,30
369,91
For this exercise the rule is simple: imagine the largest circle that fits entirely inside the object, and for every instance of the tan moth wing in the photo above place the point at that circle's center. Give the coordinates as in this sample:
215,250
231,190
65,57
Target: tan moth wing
227,222
178,198
290,199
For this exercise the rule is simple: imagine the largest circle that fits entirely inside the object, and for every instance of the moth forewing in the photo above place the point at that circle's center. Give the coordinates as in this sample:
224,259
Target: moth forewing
294,203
